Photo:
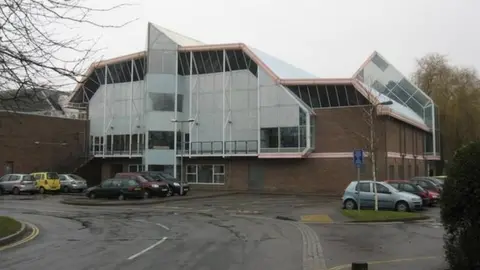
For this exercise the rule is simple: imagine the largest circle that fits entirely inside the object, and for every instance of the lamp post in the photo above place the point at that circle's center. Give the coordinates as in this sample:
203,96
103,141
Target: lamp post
190,120
373,145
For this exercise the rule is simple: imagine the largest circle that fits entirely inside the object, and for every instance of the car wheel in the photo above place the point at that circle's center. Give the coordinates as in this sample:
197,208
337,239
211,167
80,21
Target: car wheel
92,195
42,190
146,194
66,189
402,207
350,204
121,197
169,192
16,191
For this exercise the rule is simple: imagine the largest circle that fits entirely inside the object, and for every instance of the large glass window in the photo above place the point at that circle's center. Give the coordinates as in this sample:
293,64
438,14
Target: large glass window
323,96
206,174
166,102
161,139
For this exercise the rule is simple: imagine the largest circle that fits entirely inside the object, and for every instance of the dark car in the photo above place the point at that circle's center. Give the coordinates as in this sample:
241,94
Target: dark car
116,188
409,187
174,185
428,183
150,186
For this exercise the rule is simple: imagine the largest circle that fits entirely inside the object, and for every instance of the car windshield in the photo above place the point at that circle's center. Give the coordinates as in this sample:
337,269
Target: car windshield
167,176
391,187
52,175
440,180
76,177
28,178
436,181
419,188
146,178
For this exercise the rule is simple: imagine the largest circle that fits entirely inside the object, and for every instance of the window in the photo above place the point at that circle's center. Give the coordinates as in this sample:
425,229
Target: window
14,177
8,167
206,174
161,139
382,189
379,62
166,102
332,96
52,175
395,185
269,137
136,168
401,172
289,137
409,188
107,183
4,178
391,172
28,178
62,178
363,187
323,96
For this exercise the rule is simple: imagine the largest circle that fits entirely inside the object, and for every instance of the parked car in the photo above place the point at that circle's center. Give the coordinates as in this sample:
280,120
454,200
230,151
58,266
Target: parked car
46,181
174,185
17,183
441,179
149,185
428,183
407,186
116,188
72,183
388,197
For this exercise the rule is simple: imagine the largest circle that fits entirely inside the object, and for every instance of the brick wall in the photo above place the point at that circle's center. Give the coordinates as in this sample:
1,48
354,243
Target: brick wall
38,143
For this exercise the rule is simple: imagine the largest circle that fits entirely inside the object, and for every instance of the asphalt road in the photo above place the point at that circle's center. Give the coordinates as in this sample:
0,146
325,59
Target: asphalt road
113,238
204,234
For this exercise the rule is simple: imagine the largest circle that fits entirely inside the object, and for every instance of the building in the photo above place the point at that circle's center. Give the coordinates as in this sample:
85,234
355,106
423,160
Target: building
249,120
38,134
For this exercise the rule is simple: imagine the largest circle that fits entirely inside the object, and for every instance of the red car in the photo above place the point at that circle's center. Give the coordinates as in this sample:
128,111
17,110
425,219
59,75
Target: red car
149,185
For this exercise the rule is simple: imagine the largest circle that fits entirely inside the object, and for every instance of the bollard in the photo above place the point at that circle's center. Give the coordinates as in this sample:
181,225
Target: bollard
359,266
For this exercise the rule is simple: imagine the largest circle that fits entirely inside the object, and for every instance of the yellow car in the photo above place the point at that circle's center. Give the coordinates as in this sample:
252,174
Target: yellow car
46,181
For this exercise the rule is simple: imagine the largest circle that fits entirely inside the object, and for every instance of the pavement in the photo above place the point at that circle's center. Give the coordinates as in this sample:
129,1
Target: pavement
228,232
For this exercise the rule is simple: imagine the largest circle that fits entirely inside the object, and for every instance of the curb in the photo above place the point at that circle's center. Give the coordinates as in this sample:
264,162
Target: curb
390,221
14,237
87,202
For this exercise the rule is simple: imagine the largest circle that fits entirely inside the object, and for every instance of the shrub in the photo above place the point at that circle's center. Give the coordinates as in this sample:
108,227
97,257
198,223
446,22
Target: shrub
460,209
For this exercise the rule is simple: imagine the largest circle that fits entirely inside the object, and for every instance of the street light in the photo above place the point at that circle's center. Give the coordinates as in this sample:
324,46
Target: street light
190,120
372,148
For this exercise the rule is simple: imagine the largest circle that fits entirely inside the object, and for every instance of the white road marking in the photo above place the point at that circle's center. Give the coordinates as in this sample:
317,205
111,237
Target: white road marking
147,249
163,226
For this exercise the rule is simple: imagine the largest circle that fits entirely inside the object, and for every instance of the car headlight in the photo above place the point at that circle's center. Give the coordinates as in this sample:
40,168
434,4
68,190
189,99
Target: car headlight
176,184
155,186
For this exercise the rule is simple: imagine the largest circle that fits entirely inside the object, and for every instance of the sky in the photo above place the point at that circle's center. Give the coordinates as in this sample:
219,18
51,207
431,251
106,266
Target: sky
330,39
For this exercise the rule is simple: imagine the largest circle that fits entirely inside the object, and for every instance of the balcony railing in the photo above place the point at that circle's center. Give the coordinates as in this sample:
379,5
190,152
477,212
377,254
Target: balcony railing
118,152
216,148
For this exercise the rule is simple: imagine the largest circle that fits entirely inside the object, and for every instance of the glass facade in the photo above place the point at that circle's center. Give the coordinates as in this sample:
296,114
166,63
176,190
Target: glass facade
386,79
325,96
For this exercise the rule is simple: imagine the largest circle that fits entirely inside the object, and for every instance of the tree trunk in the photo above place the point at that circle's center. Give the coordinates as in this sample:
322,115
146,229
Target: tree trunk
373,156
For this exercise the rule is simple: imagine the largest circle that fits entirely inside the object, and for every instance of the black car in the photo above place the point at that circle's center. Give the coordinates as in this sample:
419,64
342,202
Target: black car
116,188
174,185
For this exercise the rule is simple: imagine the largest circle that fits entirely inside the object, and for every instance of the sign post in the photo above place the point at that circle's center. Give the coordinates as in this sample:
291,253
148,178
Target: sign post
358,161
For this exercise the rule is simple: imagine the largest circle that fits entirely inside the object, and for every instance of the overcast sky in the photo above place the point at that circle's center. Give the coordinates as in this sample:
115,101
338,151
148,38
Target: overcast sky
326,38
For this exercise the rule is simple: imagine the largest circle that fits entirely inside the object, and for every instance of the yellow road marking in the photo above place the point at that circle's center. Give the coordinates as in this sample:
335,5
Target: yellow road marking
35,232
317,219
347,266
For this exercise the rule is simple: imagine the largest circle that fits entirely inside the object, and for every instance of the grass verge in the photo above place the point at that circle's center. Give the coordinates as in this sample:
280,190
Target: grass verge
378,216
8,226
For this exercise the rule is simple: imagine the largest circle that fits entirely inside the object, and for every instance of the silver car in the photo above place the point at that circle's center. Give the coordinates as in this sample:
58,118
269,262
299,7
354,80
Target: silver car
388,197
17,183
72,183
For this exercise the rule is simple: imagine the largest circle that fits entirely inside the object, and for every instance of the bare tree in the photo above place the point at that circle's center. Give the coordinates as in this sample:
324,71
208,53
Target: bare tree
38,51
368,137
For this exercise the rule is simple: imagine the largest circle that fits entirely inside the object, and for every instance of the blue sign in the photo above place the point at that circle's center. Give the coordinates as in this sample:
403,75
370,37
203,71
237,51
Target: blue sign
358,157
